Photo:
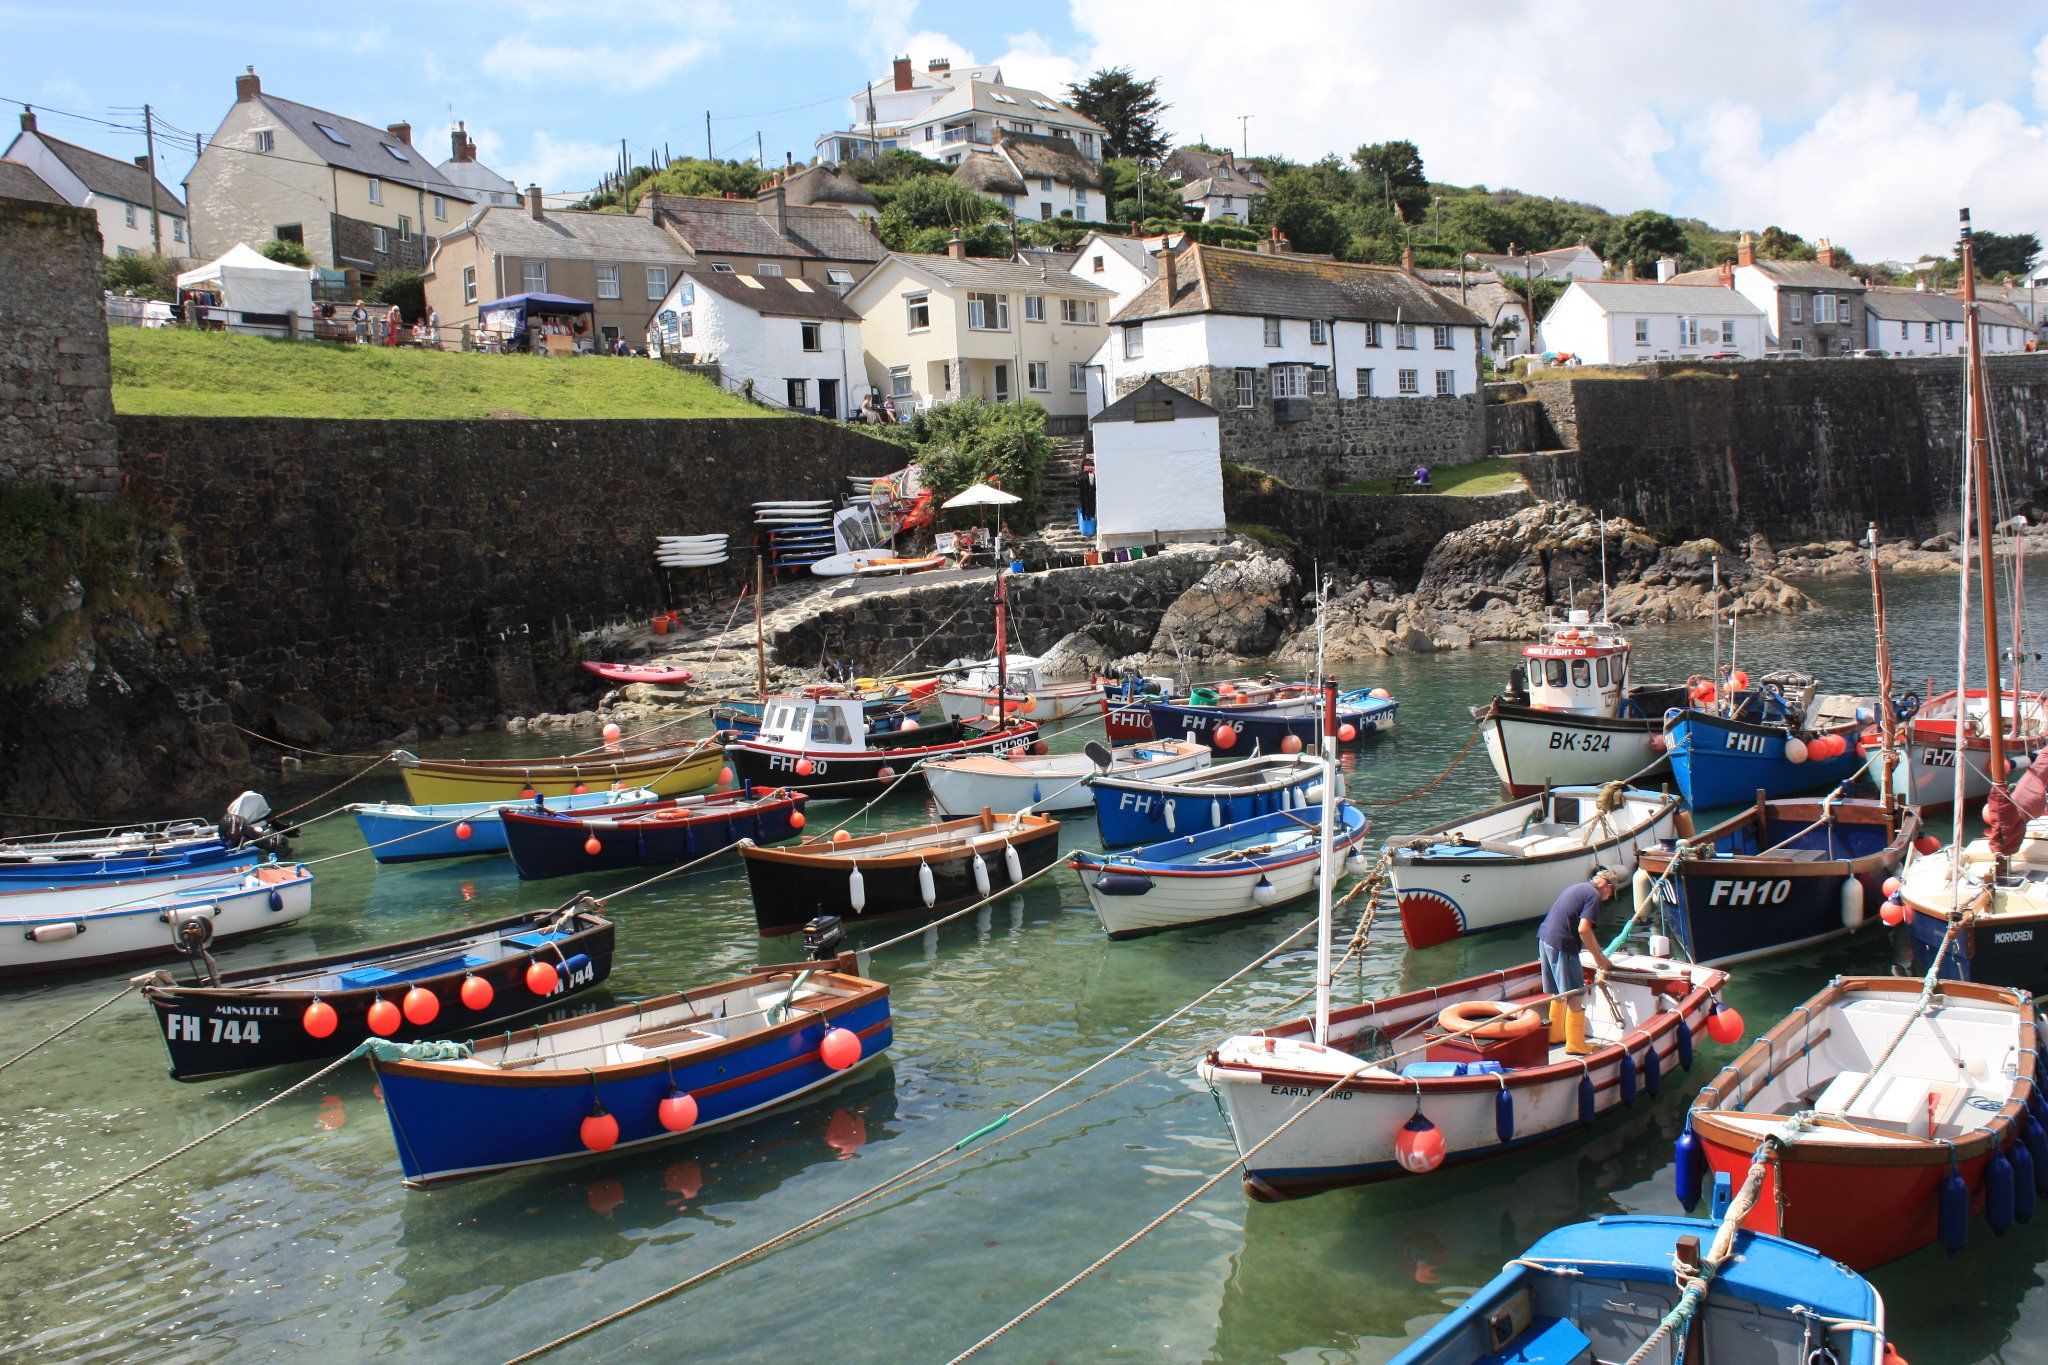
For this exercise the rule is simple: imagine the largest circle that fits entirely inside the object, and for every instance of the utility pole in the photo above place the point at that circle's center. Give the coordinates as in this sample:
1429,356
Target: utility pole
709,155
156,222
1244,123
625,163
760,153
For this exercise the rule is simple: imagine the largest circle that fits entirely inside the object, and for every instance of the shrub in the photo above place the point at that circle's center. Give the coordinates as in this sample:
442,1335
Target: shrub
285,253
976,441
149,277
406,288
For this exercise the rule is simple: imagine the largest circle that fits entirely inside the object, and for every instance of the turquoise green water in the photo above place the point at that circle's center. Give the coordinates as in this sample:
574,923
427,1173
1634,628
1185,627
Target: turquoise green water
292,1233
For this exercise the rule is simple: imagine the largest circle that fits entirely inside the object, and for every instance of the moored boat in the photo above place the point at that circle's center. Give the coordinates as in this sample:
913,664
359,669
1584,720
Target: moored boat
1505,865
1414,1088
398,833
1779,737
1779,876
676,830
87,926
823,744
1021,688
656,675
1570,716
739,718
1126,701
664,769
1287,725
1929,749
1056,783
459,981
125,841
1224,873
1884,1117
1595,1291
69,858
1144,810
925,869
655,1071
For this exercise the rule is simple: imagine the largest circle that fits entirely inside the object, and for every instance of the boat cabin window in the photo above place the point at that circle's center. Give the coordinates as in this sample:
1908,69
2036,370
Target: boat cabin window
829,727
1553,672
1582,673
1600,670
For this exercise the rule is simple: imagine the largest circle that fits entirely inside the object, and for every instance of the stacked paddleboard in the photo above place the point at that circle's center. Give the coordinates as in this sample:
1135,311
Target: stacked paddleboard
690,552
797,533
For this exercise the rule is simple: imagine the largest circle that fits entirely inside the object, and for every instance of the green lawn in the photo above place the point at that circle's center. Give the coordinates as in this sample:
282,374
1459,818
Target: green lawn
215,374
1465,480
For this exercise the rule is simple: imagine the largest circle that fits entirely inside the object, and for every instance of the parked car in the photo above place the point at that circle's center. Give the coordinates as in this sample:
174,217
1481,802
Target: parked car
1870,354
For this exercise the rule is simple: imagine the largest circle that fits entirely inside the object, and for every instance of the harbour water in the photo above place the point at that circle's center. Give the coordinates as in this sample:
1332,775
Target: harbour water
292,1235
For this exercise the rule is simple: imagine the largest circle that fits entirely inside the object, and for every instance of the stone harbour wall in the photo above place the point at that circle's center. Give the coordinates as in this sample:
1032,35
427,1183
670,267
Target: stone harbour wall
382,569
1341,440
56,400
1797,450
1360,534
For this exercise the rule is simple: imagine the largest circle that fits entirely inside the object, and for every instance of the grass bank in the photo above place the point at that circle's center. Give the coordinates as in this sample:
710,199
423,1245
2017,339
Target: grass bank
1476,479
179,373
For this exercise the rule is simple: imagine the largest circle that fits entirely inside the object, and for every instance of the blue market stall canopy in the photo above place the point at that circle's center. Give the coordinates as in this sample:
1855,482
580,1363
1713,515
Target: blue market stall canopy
524,306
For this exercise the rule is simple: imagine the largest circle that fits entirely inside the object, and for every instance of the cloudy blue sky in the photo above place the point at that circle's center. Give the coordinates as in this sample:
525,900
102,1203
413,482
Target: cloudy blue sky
1869,122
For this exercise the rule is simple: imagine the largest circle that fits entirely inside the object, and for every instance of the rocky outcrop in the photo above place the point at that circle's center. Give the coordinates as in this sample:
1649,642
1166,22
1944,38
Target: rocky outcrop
1500,580
1241,609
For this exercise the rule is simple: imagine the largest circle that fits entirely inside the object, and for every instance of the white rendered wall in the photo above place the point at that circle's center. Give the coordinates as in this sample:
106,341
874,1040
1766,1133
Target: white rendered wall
1164,477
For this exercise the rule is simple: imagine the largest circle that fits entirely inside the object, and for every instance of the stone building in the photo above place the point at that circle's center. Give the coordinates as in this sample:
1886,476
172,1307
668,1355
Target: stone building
1810,308
1324,371
56,399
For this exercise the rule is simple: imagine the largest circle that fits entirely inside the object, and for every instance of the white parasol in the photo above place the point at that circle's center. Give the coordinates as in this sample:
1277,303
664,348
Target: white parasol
980,495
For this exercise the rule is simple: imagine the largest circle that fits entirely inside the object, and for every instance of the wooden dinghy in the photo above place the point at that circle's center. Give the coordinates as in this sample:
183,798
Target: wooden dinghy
1505,865
1780,876
88,926
656,1071
926,869
460,981
1055,782
1225,873
1133,808
558,844
1596,1291
1449,1074
1885,1124
664,769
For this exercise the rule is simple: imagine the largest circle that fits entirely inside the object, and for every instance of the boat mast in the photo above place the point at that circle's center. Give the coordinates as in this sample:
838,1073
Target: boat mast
1716,573
1887,719
760,643
1326,860
1603,568
1980,466
1002,638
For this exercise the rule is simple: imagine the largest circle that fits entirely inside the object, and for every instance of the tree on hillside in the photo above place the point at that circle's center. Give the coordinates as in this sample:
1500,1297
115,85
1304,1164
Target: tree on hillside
1128,110
2006,253
1393,171
1472,223
893,167
1305,217
926,212
1644,236
1776,244
1121,178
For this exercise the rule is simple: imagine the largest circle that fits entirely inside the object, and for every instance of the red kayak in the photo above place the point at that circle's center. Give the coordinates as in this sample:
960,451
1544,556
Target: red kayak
637,673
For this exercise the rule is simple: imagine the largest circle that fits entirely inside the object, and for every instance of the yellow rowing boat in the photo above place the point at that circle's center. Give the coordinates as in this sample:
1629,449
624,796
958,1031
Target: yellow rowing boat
666,770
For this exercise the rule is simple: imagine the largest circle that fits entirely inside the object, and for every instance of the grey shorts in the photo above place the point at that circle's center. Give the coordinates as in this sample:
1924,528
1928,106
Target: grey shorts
1562,973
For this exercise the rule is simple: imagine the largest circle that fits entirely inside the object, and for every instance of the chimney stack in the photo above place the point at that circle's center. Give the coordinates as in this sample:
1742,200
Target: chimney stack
400,132
142,163
938,64
247,87
902,73
1745,250
1134,227
1169,269
776,199
533,202
1666,268
956,249
1826,254
463,146
1408,257
28,119
1727,274
1628,270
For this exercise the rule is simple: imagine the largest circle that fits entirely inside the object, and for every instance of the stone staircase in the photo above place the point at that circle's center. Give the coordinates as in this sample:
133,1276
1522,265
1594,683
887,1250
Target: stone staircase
1059,499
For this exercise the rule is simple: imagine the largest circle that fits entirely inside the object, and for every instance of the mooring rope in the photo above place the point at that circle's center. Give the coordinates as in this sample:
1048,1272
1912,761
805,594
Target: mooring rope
117,995
1429,785
298,748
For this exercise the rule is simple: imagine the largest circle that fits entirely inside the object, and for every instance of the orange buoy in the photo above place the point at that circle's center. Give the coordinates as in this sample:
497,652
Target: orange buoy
725,777
678,1112
599,1130
320,1020
384,1018
1347,732
840,836
542,978
422,1007
804,767
580,789
1419,1146
1290,744
592,846
463,831
796,819
1724,1024
612,733
1226,736
477,993
840,1049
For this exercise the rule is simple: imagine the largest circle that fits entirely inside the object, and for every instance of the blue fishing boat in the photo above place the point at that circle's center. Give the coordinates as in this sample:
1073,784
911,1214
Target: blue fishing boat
1133,809
1267,728
660,1070
172,848
398,833
207,855
1596,1291
1777,738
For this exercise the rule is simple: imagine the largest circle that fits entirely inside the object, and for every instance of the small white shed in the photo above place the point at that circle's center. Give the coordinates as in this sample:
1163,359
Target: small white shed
1158,469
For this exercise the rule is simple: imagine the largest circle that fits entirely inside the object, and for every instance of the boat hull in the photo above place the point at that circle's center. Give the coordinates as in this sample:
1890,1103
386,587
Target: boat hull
1066,788
219,1030
1721,762
558,845
1532,748
1045,704
2008,950
1131,810
858,776
271,895
665,773
1924,774
452,1121
1180,897
1266,730
409,834
201,857
792,886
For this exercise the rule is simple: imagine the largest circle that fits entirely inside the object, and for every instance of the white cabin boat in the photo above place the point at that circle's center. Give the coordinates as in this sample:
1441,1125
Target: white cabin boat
1030,693
71,927
1007,783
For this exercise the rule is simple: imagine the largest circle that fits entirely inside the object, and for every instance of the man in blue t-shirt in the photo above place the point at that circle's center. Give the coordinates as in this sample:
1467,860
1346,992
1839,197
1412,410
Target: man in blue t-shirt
1573,923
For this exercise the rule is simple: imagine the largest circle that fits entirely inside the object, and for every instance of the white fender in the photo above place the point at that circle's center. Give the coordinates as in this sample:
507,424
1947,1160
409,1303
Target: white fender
1215,812
1852,904
1640,884
856,890
980,875
1012,864
925,885
1171,824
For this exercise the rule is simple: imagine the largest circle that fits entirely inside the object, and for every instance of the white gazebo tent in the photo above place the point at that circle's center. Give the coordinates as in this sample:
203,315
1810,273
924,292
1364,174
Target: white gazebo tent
256,292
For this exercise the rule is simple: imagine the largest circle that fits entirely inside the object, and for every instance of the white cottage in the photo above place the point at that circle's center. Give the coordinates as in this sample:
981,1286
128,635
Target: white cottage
1616,323
795,342
1926,322
119,192
1122,265
1158,469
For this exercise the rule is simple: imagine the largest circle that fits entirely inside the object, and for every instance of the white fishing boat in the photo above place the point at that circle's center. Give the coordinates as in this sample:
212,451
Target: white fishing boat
71,927
1448,1073
1006,783
1505,865
1570,715
1930,749
1021,685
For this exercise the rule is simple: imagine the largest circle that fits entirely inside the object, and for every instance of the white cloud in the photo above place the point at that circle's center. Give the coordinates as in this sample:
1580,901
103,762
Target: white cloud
566,166
520,63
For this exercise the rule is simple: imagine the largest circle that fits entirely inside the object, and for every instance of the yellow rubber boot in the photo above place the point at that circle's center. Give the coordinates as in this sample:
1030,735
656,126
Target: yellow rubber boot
1575,1044
1556,1022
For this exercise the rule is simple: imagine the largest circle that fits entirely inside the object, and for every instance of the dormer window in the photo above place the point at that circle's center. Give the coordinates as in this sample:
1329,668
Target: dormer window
336,138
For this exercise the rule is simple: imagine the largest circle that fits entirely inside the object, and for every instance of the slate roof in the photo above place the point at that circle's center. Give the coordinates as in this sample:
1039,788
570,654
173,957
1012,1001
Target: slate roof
1791,274
1914,305
1046,257
369,151
19,182
1211,279
1555,258
987,272
776,296
1622,296
825,183
745,227
570,234
1153,390
979,97
111,176
1189,163
1192,190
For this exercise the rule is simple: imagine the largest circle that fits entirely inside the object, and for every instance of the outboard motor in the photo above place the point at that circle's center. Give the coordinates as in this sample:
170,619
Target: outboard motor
247,822
823,937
